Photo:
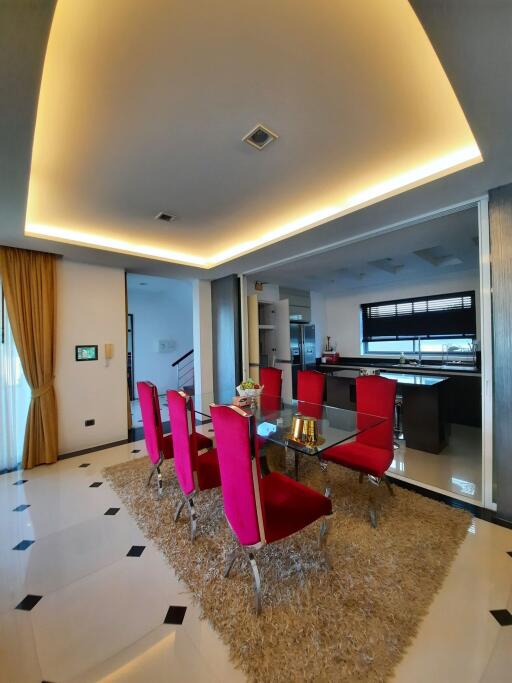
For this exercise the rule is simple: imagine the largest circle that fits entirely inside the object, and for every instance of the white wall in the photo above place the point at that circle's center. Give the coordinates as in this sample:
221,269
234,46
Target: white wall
319,319
269,293
162,314
343,310
203,345
90,310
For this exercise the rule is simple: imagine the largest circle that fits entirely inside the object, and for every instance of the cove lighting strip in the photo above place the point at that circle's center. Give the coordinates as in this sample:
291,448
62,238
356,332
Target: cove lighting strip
457,160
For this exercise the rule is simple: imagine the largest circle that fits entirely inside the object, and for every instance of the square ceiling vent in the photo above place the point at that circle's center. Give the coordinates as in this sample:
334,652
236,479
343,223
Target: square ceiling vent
259,137
164,216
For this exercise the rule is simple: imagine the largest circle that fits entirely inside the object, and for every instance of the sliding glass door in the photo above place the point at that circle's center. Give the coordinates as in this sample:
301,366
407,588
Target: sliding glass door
14,399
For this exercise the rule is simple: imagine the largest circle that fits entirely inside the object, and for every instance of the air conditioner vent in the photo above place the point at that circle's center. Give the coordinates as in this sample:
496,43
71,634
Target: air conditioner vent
260,136
164,216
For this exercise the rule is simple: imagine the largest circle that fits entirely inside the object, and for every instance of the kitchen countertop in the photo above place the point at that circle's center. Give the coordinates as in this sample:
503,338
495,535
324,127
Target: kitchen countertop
447,371
400,377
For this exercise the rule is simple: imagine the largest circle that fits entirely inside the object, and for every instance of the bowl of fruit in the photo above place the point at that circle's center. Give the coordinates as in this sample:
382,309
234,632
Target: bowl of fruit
249,389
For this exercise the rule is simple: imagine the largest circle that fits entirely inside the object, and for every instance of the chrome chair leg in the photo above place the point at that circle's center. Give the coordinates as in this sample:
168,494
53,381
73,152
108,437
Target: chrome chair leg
156,470
257,582
229,563
159,480
388,485
193,519
373,513
179,508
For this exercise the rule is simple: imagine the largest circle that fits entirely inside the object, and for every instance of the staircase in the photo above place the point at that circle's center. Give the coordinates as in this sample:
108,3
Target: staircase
185,366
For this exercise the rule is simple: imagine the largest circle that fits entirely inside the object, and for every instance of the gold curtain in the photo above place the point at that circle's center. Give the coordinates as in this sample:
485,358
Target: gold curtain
28,279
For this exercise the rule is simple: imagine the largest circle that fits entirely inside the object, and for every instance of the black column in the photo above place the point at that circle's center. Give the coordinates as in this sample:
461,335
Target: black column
500,223
226,336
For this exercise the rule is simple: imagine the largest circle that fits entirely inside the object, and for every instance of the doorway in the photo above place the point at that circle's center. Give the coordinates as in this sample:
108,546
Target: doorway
159,336
462,467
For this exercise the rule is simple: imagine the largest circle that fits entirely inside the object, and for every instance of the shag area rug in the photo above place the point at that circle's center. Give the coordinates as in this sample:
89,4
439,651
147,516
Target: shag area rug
350,623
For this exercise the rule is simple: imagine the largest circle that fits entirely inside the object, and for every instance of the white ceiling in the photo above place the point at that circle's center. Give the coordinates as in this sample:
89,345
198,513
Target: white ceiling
151,284
472,41
143,106
389,258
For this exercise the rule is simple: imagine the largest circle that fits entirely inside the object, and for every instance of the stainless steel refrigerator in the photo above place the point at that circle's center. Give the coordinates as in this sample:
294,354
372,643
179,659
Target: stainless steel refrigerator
302,343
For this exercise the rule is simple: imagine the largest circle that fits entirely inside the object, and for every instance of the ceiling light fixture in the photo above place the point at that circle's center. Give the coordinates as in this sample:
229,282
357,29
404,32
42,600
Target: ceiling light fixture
260,136
457,160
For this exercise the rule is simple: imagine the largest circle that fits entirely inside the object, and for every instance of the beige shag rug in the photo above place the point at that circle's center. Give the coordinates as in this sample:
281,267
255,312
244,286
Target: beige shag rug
350,623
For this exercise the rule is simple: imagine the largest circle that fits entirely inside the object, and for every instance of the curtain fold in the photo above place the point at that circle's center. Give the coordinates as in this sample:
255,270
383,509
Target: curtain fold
28,279
14,402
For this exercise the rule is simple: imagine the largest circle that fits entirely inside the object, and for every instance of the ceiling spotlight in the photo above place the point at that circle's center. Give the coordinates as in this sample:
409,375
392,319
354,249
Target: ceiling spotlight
260,136
164,216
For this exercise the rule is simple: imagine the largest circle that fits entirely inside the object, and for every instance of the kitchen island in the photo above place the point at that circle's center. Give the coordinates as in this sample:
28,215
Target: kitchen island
422,408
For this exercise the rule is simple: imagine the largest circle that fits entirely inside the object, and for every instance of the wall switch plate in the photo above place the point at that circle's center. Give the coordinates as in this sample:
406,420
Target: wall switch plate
90,423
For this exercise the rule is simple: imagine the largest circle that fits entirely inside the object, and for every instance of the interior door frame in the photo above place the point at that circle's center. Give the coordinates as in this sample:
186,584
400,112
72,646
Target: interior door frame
481,203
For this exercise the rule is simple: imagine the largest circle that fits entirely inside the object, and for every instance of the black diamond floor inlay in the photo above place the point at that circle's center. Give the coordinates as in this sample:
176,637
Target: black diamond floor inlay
95,484
510,553
135,551
502,616
136,450
84,464
29,602
23,545
20,508
175,615
112,511
20,482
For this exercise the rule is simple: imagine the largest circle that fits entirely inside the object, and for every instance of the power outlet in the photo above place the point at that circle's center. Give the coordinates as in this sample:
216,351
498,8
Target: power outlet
90,423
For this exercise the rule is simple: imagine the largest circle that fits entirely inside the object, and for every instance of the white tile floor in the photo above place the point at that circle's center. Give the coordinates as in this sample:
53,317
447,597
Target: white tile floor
101,613
136,414
457,469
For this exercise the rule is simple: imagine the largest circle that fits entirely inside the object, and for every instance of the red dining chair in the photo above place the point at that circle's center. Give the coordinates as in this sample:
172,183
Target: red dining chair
270,401
372,451
158,445
310,398
259,510
272,380
310,392
196,469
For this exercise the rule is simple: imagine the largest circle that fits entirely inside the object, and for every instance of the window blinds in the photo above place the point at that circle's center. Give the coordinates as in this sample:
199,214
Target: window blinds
432,317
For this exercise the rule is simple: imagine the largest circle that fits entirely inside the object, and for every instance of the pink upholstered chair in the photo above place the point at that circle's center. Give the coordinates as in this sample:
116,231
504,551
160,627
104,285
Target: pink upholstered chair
158,445
310,392
271,379
372,451
258,509
196,469
310,399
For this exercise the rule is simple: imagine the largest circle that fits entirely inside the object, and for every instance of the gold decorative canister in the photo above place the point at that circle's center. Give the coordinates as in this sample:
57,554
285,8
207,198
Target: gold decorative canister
309,430
297,422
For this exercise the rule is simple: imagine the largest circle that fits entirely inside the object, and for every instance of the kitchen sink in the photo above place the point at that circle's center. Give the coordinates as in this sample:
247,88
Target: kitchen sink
448,366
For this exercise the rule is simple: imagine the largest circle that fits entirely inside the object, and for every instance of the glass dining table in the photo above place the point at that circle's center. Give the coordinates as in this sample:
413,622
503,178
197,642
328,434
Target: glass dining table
274,419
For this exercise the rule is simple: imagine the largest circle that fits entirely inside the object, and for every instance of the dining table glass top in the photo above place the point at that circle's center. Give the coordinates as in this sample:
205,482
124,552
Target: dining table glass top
274,420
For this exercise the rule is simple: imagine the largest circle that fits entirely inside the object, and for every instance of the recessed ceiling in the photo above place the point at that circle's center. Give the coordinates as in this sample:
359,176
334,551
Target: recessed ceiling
143,105
450,242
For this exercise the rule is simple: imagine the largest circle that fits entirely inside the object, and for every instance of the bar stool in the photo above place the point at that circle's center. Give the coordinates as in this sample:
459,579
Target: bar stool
398,427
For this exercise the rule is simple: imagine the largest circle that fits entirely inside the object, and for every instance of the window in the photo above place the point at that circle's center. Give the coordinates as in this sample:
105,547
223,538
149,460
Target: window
14,398
443,323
